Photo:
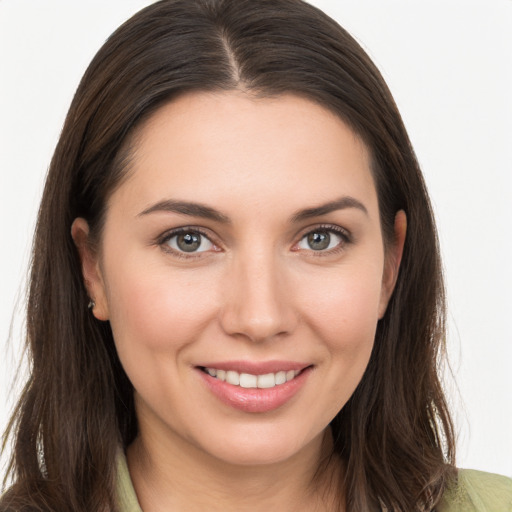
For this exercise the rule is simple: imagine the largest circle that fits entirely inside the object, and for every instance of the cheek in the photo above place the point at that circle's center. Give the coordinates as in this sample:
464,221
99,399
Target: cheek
346,309
155,317
344,319
157,309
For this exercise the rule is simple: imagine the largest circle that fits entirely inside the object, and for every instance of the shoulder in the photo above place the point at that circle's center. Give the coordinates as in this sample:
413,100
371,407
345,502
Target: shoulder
477,491
126,497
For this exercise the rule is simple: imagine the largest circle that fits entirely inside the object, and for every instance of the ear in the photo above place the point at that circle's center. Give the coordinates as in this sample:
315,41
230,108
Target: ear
91,270
393,258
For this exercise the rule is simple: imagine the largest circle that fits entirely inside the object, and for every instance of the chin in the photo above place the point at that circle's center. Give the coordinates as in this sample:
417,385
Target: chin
259,449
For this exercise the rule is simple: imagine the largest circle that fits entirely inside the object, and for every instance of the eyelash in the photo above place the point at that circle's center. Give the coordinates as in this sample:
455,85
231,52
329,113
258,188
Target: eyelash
166,237
345,236
346,239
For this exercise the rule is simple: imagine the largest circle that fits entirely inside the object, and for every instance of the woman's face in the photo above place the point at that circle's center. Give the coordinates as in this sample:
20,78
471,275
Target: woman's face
243,272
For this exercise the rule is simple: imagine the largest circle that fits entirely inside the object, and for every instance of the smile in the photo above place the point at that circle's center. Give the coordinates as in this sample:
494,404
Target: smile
255,387
248,380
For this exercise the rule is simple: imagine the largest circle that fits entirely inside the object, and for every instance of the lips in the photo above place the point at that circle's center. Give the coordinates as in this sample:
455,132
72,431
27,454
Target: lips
255,387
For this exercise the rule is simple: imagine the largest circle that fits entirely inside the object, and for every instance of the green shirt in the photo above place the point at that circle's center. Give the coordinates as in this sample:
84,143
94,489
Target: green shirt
475,491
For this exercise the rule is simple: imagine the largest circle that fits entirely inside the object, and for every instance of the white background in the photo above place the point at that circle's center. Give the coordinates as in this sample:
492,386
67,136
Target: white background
449,66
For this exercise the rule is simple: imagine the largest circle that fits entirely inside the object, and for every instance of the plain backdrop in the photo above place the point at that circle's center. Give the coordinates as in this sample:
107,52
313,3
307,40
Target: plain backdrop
449,66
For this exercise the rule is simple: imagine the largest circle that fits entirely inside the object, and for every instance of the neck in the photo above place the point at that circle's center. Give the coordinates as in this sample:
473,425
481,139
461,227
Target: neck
175,476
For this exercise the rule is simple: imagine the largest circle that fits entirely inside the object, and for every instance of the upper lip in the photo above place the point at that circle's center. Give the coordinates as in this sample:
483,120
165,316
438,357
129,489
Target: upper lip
256,367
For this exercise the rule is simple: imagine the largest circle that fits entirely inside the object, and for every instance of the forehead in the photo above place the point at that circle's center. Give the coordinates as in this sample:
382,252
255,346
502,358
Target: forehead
223,147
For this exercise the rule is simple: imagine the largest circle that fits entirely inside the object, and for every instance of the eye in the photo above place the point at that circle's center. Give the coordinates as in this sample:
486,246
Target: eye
188,241
323,240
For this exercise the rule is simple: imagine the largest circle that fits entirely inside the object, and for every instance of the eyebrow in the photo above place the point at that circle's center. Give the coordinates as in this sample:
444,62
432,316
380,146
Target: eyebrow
338,204
187,208
206,212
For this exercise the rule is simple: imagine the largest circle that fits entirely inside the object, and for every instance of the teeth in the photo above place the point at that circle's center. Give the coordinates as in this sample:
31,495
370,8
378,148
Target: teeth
247,380
280,378
267,381
233,378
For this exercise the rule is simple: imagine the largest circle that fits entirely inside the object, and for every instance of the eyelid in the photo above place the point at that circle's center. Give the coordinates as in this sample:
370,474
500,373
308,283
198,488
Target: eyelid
164,238
344,233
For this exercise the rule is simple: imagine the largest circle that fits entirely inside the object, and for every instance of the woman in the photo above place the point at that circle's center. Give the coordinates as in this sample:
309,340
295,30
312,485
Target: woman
236,299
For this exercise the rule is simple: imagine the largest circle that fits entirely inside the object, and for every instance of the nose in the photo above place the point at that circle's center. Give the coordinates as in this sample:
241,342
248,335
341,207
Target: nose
258,299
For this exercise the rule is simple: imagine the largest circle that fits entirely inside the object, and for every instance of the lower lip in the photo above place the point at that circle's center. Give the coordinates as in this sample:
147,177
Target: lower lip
255,399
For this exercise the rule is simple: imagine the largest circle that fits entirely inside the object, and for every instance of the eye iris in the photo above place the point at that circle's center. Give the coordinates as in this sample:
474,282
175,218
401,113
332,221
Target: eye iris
189,242
319,240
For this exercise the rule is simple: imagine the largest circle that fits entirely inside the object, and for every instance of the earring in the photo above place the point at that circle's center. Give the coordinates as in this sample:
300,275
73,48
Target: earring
91,304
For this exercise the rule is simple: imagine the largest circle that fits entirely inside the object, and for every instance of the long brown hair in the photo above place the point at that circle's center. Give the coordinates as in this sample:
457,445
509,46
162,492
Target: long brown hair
395,434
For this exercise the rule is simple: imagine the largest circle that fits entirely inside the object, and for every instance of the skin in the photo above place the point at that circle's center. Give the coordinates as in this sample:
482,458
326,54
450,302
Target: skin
255,291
